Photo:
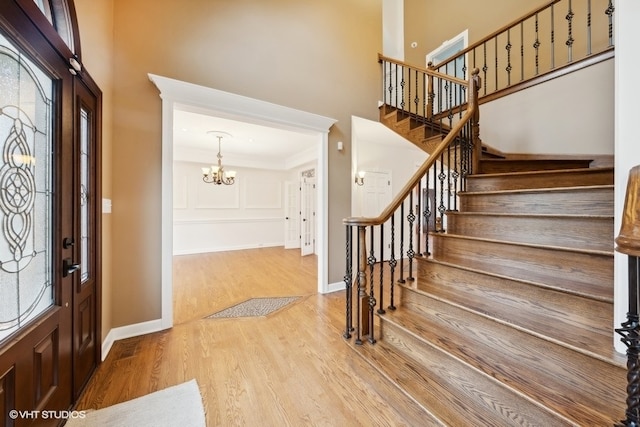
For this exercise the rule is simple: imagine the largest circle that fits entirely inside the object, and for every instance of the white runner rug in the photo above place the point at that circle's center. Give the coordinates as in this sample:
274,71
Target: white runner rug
180,405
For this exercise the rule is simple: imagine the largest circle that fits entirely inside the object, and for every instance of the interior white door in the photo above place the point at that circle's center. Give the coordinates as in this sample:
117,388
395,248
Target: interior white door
376,197
292,215
308,216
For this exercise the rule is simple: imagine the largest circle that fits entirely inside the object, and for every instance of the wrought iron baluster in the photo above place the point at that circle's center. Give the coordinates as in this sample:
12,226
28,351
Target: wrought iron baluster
609,12
484,67
464,67
381,291
521,51
449,151
371,260
588,27
570,39
401,279
410,252
416,100
436,227
496,54
390,100
348,282
402,85
630,332
426,213
553,38
392,262
455,174
360,289
536,46
439,110
418,217
424,96
441,177
508,48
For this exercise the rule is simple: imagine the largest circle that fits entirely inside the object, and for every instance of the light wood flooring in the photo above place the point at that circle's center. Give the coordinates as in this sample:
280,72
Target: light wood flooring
291,368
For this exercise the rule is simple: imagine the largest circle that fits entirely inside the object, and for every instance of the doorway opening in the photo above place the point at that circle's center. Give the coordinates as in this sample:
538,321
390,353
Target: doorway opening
235,107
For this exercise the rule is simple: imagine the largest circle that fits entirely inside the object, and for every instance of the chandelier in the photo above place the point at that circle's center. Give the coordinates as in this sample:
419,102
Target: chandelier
216,174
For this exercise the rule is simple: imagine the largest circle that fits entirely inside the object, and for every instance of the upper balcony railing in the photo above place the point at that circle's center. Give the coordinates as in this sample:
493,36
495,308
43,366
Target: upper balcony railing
543,44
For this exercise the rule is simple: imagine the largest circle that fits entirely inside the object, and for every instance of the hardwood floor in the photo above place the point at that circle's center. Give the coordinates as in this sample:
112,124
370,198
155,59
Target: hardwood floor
291,368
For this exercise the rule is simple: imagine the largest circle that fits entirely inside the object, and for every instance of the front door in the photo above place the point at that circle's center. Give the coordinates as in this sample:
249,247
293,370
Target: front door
49,280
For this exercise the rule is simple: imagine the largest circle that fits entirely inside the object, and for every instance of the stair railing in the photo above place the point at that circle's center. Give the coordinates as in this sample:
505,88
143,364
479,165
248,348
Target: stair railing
383,248
628,243
545,43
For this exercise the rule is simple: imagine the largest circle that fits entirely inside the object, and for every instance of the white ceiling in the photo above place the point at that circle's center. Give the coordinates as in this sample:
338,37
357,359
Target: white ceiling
257,145
250,144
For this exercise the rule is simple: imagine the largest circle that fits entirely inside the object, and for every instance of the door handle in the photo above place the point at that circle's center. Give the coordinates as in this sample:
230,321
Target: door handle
69,267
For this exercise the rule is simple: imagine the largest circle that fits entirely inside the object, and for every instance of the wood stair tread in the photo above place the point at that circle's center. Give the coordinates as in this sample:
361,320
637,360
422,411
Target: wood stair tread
518,289
412,414
587,328
454,392
536,190
579,231
545,372
527,214
594,200
543,266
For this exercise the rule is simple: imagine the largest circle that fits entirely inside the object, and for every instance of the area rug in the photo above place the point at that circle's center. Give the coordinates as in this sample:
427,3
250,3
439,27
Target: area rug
180,405
254,307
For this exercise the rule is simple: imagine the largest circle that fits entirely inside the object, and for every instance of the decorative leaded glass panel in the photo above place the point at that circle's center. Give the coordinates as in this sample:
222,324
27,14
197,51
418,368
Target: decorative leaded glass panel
84,192
26,288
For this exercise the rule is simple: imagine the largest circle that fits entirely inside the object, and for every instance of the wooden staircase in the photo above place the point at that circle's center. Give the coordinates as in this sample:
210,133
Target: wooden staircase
509,321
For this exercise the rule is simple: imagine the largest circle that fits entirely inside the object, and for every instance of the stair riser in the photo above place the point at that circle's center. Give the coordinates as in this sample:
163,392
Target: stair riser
504,166
587,233
581,323
572,384
556,179
590,274
591,201
454,389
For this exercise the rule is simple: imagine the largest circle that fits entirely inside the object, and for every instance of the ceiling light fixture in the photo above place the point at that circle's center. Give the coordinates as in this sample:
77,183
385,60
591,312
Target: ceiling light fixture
216,174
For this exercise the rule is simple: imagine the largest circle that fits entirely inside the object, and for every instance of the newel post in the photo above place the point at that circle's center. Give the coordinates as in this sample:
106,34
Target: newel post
475,82
628,242
363,299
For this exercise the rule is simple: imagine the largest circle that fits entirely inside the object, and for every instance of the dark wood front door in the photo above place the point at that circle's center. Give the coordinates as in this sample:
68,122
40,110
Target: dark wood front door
49,224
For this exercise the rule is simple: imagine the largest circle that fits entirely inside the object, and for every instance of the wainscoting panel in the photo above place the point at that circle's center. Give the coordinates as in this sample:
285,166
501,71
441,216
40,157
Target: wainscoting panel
215,235
263,193
209,196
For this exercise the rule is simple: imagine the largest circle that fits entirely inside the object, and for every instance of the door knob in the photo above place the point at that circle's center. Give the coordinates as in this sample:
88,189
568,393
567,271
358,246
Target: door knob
69,267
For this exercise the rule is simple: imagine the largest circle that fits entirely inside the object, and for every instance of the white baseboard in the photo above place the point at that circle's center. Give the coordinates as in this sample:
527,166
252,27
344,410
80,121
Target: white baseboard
129,331
226,248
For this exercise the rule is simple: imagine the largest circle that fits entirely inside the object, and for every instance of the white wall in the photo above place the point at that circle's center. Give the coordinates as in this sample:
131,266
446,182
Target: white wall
627,146
378,148
582,114
210,218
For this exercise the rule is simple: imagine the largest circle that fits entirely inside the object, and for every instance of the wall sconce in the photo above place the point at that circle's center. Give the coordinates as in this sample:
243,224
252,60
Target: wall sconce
360,178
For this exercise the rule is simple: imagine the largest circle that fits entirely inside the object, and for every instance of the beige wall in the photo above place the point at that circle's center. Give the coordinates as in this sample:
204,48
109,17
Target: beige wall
318,57
96,35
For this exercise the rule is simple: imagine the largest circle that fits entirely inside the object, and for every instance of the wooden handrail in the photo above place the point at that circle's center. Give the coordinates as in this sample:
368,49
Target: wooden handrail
417,176
433,73
497,33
